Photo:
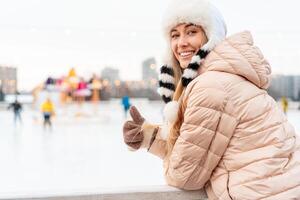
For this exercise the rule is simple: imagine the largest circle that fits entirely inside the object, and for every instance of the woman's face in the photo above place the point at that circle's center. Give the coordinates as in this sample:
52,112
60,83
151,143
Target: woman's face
186,40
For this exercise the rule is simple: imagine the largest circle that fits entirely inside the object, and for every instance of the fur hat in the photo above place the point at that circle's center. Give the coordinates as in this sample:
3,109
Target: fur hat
198,12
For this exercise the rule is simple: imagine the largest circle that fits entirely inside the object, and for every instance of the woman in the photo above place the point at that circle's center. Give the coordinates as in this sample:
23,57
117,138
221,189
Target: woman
227,135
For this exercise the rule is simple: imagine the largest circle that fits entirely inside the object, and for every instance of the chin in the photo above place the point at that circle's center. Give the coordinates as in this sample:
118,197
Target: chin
184,65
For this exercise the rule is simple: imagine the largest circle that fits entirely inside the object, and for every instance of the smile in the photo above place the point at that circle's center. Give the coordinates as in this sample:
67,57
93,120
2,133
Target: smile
186,54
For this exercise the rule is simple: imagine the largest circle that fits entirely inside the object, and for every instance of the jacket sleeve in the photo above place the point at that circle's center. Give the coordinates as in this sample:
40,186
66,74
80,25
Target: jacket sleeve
159,147
202,140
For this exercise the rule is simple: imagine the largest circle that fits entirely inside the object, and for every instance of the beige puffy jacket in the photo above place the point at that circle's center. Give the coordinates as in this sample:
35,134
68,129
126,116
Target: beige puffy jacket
234,140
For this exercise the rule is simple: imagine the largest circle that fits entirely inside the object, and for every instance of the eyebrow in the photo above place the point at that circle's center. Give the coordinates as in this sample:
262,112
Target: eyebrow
186,26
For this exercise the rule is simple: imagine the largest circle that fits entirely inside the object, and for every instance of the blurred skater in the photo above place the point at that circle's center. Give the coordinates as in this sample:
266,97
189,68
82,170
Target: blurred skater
48,111
126,104
16,107
285,104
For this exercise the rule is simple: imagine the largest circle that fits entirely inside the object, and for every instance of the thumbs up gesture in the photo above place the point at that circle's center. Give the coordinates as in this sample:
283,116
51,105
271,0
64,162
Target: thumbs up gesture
136,116
132,132
136,132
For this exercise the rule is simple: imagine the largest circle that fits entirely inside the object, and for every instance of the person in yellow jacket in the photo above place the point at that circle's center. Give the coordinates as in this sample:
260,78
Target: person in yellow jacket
285,104
47,109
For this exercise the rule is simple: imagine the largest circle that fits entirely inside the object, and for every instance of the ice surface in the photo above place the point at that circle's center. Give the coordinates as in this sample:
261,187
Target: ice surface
84,150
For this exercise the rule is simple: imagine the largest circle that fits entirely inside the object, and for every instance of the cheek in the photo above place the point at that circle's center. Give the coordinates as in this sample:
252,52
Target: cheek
201,40
197,42
174,48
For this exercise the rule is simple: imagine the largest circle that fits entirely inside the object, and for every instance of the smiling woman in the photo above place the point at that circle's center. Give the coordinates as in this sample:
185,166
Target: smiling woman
186,40
222,131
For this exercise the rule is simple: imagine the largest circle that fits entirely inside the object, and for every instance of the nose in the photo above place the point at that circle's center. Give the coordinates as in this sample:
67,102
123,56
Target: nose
182,41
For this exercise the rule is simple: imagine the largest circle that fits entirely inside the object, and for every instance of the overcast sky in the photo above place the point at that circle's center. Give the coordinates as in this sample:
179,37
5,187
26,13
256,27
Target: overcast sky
47,37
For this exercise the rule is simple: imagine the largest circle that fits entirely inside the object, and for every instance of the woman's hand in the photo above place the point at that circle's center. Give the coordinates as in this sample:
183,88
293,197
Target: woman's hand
132,130
137,133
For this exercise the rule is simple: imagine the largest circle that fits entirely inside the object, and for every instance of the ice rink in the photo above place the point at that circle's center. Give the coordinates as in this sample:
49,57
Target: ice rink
84,151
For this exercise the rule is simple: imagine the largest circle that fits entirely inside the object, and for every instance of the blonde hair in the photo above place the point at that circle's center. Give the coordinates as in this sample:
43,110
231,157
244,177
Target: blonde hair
175,129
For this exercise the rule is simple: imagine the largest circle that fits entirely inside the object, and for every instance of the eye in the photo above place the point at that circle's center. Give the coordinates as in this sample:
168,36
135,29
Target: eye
191,32
174,35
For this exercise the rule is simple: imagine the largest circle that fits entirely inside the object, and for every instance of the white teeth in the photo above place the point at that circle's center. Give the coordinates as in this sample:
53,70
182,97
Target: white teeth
186,53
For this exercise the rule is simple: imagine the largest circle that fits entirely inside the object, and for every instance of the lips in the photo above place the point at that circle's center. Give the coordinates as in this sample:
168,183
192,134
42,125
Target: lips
186,54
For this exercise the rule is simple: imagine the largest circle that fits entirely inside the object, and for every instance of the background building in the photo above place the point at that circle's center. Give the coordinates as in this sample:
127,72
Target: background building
1,92
288,86
110,74
149,69
8,80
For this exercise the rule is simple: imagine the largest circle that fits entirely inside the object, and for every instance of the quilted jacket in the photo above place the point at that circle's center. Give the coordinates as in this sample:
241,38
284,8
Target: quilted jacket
234,140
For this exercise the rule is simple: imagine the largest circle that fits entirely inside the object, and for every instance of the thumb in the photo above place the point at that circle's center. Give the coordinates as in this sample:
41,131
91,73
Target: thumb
136,116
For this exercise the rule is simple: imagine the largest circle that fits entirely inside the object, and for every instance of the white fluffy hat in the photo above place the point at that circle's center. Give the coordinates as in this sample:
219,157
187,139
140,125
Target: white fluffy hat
198,12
